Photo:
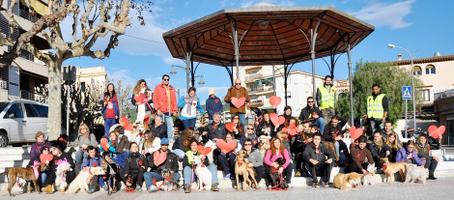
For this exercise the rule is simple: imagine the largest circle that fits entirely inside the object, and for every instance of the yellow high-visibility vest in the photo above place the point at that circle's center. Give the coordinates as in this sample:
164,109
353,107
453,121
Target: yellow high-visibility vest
327,97
375,107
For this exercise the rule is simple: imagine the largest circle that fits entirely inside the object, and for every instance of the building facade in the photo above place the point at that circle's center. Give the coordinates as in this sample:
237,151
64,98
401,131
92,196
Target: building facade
444,110
262,82
27,75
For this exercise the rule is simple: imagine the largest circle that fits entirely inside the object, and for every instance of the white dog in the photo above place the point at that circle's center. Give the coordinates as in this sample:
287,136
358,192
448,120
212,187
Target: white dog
60,180
372,178
202,173
84,177
416,174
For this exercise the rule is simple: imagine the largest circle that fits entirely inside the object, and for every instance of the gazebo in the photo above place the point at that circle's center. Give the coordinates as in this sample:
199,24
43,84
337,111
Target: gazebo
268,35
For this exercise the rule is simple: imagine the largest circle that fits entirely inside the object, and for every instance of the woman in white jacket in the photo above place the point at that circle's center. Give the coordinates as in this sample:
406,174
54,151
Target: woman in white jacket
150,143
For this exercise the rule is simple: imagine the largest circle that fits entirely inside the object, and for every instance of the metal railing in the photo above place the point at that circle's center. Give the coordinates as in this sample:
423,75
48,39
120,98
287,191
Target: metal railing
25,94
254,76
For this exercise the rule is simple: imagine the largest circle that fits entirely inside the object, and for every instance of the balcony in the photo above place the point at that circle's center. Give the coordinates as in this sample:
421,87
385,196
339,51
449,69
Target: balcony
256,102
253,77
25,94
261,90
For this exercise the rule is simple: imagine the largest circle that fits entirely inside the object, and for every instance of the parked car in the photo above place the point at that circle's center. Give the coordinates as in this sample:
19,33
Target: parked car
20,120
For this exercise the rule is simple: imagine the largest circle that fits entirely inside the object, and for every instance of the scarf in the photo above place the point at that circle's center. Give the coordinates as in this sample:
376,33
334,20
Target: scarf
189,101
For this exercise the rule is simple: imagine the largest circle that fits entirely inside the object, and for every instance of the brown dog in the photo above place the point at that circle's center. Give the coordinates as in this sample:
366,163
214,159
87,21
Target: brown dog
242,168
25,173
391,168
347,181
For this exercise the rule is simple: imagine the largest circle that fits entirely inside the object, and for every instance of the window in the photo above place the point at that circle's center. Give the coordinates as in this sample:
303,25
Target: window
426,95
42,110
417,70
15,111
430,69
30,110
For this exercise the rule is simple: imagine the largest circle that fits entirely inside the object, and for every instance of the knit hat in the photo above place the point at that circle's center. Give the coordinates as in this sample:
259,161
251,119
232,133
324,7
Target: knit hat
164,141
211,91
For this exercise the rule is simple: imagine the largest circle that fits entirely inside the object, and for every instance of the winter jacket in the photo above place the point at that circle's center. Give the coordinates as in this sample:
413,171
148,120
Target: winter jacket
170,163
161,101
35,151
322,156
377,153
264,125
213,105
256,158
401,156
238,93
306,113
360,156
190,157
329,129
216,131
134,163
160,131
91,162
269,158
183,106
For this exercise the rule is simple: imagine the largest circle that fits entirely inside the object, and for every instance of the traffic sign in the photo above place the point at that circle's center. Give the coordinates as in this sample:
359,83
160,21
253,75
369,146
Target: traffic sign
406,92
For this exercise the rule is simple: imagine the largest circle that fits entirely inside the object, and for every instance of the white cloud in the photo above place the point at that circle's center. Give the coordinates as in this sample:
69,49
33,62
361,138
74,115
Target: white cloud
123,75
390,15
264,3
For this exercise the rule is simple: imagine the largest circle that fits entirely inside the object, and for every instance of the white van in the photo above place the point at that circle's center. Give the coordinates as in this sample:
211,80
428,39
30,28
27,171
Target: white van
20,120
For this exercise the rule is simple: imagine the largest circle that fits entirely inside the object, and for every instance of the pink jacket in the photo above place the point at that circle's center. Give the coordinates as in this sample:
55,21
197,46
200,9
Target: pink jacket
160,99
269,159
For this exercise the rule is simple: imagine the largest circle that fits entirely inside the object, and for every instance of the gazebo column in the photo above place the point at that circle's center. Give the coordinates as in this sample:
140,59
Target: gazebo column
236,47
314,33
287,71
350,80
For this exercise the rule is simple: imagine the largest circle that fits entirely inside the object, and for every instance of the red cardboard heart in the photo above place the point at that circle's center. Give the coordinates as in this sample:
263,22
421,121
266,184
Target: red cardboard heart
226,147
291,130
159,157
126,124
275,101
436,132
277,120
230,127
238,102
104,144
355,132
203,150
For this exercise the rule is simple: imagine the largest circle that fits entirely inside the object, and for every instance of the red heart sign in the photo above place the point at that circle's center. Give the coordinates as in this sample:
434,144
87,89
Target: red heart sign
104,144
230,127
355,132
436,132
203,150
140,99
126,124
275,101
159,157
277,120
226,147
290,131
238,102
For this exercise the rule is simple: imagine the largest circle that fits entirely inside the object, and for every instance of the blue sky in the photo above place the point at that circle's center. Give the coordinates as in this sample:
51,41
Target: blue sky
423,27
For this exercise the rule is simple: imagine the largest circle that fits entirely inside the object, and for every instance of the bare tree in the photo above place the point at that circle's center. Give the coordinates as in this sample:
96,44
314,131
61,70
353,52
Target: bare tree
91,20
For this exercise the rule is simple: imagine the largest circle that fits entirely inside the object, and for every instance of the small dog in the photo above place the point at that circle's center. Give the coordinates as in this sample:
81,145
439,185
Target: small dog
242,168
416,174
202,173
60,180
391,168
15,174
347,181
83,178
168,184
372,178
130,184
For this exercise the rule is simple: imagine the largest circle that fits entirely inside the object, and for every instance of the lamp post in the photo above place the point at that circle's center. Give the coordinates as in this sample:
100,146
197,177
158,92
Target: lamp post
393,46
173,71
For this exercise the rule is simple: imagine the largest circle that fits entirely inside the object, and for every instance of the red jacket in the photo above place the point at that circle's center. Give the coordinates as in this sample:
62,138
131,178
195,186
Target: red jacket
160,99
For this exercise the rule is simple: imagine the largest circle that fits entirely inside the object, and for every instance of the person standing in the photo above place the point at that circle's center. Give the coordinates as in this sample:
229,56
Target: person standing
213,104
110,109
326,98
141,97
189,105
240,93
377,108
165,103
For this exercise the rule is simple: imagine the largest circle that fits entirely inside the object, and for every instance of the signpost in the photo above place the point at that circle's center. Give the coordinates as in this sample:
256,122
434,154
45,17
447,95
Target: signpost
406,95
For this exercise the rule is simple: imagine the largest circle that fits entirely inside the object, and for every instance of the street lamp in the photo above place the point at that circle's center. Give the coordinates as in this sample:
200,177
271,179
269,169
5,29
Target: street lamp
173,71
393,46
201,81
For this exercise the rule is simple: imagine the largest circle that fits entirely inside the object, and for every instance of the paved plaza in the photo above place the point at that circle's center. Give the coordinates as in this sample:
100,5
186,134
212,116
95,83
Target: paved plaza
440,189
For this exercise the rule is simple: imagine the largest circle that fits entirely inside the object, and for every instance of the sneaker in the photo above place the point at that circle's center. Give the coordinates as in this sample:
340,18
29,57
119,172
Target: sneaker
187,188
227,177
214,188
431,178
138,189
315,185
323,184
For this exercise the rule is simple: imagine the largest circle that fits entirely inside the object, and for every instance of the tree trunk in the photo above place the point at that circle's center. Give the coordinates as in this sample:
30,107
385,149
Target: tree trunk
54,122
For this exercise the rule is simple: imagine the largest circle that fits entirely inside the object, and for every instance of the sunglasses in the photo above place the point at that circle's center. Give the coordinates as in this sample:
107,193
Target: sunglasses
166,79
237,83
250,128
248,144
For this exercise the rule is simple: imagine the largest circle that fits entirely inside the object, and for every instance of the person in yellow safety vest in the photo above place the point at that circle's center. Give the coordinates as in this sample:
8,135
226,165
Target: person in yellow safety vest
326,98
377,109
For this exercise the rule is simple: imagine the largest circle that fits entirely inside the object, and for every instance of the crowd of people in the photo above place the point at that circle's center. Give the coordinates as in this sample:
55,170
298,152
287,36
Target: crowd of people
165,143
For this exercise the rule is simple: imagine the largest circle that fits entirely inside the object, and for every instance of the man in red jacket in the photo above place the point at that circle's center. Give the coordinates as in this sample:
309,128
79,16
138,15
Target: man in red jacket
165,103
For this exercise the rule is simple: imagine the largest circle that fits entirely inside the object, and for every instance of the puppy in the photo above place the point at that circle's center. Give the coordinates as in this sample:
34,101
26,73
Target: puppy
241,168
168,184
60,180
202,173
15,174
416,174
372,178
83,178
347,181
391,168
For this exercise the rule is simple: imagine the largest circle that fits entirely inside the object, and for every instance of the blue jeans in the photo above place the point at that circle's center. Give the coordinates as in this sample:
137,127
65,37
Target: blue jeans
179,153
169,123
43,176
189,123
320,122
242,118
189,177
107,124
149,176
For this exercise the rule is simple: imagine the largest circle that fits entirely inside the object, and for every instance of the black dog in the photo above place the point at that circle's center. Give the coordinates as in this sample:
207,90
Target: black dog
277,180
112,176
